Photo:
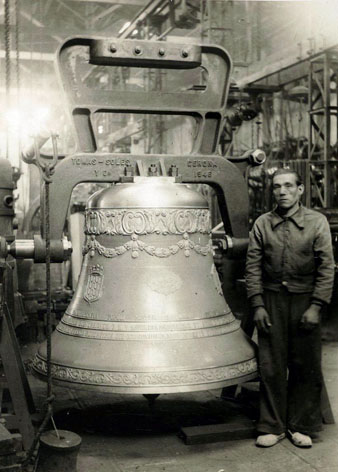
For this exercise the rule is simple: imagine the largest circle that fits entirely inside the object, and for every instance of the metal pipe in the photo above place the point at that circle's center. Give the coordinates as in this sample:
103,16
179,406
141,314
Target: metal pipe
22,249
36,249
28,152
232,247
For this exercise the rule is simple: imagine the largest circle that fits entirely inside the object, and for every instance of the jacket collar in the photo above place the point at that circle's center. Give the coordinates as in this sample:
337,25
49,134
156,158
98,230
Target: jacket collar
297,217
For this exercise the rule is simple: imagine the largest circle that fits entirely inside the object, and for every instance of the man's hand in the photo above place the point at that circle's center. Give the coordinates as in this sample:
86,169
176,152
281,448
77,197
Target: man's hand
262,319
311,317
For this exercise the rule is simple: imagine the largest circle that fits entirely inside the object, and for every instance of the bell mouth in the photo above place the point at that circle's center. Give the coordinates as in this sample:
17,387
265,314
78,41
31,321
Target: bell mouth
146,365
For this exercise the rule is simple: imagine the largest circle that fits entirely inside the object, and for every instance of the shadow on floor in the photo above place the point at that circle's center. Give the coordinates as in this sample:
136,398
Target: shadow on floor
168,414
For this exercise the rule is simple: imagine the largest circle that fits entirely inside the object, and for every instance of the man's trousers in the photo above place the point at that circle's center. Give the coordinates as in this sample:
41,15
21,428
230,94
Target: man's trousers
290,367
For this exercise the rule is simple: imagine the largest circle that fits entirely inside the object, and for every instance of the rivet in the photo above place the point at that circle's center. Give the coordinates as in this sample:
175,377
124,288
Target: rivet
137,50
112,48
184,53
161,52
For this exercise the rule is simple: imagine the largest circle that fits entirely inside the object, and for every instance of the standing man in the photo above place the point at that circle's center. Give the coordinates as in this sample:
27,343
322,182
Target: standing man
289,277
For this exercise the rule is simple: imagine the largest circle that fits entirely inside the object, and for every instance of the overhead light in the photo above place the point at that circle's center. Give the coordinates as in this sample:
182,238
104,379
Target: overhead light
13,118
28,121
124,27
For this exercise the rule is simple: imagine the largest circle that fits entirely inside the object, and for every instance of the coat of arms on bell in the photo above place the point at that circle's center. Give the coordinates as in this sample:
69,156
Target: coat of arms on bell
94,285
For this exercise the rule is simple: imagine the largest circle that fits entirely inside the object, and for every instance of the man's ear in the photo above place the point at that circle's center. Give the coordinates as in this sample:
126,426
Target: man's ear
301,189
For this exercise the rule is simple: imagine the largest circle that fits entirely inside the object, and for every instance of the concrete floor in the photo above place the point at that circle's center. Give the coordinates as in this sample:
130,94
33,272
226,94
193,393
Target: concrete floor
123,434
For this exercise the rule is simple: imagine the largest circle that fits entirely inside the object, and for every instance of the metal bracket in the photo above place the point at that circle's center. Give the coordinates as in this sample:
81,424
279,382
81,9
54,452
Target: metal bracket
144,53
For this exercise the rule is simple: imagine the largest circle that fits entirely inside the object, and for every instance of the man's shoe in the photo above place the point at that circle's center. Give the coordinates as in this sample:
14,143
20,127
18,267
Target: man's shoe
268,440
300,439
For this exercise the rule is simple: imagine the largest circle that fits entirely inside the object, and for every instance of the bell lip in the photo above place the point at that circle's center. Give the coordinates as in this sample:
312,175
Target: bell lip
210,378
150,390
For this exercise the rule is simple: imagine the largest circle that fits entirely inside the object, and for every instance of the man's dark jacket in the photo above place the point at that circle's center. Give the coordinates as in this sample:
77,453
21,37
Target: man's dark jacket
294,252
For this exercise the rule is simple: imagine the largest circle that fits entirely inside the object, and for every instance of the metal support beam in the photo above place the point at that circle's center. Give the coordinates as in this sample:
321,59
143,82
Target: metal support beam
37,23
30,56
74,12
272,66
104,13
139,3
327,131
322,72
141,16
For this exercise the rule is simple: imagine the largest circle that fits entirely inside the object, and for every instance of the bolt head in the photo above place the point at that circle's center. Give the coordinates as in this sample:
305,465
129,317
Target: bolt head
258,156
112,48
137,50
161,52
184,53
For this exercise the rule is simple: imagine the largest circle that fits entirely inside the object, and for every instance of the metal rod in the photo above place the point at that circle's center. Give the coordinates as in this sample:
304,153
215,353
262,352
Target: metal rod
327,131
55,428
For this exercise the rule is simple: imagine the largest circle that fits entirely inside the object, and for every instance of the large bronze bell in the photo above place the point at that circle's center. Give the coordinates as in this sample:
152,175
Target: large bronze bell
148,314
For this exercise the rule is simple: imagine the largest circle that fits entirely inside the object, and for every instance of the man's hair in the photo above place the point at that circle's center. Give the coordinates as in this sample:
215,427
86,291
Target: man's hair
284,170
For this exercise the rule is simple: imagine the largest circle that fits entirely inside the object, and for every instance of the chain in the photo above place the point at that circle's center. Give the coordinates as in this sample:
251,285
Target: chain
48,289
7,64
17,49
17,68
46,171
50,396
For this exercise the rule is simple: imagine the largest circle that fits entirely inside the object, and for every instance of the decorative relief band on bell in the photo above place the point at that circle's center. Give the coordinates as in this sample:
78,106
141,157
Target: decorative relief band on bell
144,317
135,246
147,221
147,327
147,379
147,336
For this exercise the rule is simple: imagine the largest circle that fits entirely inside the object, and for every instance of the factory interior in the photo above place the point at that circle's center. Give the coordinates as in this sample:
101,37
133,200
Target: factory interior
138,140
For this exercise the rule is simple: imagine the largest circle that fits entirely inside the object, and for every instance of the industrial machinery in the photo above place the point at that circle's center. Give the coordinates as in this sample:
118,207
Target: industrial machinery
148,315
13,380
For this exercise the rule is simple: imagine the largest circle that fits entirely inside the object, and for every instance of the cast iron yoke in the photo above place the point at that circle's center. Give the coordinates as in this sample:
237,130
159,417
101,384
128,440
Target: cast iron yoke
203,165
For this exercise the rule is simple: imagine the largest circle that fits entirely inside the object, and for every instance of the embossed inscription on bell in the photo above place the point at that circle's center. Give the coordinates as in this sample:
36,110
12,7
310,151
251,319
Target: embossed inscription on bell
148,314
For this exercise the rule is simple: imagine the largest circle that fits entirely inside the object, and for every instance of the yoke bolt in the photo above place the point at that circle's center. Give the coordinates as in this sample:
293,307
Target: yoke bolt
173,171
152,170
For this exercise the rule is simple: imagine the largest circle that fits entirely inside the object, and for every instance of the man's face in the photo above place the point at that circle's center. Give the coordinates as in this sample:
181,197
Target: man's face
286,191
